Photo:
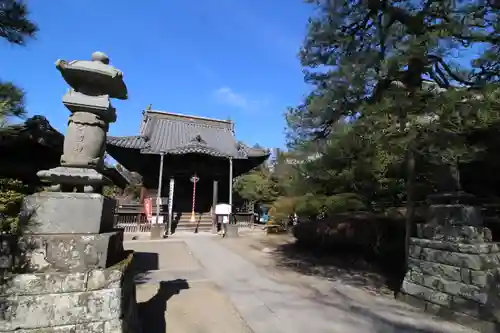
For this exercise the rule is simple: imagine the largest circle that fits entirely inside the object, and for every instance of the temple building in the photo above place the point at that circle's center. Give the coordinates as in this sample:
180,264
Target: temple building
190,160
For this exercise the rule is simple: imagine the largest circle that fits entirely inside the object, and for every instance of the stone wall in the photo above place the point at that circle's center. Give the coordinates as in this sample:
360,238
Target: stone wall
60,252
453,272
94,301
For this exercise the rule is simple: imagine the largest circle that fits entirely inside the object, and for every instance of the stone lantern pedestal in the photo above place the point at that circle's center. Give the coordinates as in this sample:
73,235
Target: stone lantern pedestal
67,270
454,265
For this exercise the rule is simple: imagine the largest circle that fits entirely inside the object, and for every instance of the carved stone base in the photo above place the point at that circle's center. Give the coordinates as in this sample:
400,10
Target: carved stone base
69,177
61,253
67,213
94,301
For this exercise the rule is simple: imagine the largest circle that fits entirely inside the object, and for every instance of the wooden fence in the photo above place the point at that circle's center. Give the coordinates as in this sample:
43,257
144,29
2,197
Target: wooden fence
244,219
131,218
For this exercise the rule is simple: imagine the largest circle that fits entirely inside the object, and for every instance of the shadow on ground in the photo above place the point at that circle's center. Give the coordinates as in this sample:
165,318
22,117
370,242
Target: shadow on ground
387,316
349,268
351,305
152,312
144,262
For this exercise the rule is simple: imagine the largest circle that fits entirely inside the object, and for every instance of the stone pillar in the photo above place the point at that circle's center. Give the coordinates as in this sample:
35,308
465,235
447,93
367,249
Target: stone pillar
231,183
214,203
170,204
142,195
453,264
67,269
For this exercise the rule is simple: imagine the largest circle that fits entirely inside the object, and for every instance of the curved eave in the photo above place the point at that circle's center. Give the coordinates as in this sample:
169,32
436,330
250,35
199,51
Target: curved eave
129,142
116,177
140,143
128,157
242,166
245,151
196,149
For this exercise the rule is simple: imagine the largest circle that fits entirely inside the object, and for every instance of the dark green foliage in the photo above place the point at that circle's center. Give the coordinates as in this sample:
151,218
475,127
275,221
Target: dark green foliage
257,186
344,202
376,240
398,117
16,28
313,206
355,51
14,23
388,67
12,193
11,101
131,192
310,205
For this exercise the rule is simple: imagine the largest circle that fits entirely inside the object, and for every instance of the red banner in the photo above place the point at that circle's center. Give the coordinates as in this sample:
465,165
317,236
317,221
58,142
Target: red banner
148,208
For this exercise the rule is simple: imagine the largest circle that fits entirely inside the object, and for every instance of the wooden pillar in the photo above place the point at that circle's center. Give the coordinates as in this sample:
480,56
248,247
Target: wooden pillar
158,192
142,195
156,229
214,203
194,179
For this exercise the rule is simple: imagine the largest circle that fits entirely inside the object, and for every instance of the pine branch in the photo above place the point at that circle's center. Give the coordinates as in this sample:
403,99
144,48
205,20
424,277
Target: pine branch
14,23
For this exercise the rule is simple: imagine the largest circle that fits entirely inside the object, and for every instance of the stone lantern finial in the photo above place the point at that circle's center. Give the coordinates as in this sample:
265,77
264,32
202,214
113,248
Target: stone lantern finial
100,57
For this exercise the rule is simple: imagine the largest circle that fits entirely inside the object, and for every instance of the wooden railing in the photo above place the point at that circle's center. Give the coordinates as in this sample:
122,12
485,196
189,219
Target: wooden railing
131,218
244,220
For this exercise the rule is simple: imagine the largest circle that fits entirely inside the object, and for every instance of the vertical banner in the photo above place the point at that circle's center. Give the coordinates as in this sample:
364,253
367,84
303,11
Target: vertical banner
148,208
171,198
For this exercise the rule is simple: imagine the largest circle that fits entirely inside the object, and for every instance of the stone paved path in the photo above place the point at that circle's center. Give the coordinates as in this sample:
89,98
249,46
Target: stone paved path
175,295
271,307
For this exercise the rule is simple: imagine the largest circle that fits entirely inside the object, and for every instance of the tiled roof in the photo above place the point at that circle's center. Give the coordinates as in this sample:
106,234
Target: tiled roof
36,129
134,142
179,134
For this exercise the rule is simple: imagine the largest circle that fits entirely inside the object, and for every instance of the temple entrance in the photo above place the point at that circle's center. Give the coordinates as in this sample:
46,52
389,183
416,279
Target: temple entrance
183,195
179,147
183,199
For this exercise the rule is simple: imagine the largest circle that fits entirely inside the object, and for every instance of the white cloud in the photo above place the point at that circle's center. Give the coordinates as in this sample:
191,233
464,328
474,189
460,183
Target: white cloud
226,95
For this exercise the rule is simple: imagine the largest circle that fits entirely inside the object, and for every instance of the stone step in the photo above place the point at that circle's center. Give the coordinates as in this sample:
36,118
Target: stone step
201,225
195,222
187,219
201,228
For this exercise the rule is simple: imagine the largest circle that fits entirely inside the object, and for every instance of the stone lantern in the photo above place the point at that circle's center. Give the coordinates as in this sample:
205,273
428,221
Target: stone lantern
76,275
92,84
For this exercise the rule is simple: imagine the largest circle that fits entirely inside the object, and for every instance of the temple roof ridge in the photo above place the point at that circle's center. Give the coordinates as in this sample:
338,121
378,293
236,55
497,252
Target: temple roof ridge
150,113
176,134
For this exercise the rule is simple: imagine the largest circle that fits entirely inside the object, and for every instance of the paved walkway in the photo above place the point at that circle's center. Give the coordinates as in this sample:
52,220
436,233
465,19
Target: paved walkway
270,307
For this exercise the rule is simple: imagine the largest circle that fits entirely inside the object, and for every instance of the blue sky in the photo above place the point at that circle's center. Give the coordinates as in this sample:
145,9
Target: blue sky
215,58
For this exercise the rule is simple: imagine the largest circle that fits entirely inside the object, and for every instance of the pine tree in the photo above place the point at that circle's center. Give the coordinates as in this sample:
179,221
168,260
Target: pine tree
15,28
355,51
391,63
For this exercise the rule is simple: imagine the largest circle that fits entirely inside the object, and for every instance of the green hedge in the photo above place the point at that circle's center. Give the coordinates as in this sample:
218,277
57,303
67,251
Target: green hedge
12,193
375,237
312,206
